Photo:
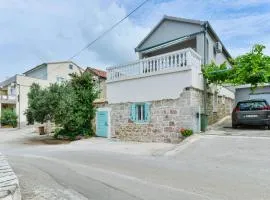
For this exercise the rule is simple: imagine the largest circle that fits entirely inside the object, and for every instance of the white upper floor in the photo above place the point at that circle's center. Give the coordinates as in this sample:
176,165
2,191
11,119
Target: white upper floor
54,72
170,59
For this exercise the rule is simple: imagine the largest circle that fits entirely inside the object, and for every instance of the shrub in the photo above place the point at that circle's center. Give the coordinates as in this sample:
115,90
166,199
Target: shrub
29,117
9,118
69,105
186,132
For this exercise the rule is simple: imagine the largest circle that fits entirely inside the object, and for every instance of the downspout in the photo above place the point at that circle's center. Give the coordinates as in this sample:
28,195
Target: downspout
19,101
204,63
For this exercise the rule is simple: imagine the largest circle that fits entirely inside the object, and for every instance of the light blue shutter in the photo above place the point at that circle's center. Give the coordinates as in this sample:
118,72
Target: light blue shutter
133,112
147,113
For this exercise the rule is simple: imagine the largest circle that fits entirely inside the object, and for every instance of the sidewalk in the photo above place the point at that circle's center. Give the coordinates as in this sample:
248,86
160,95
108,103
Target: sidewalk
115,146
9,184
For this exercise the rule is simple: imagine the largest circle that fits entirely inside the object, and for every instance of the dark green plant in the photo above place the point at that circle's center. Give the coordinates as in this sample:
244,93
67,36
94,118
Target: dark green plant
69,105
186,132
76,110
9,118
29,117
251,68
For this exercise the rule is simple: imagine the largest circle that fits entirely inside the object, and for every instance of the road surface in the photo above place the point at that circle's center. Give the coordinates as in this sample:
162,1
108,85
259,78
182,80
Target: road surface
210,167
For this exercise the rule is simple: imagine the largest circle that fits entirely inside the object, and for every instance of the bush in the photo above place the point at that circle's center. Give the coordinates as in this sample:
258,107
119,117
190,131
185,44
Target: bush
69,105
9,118
29,117
186,132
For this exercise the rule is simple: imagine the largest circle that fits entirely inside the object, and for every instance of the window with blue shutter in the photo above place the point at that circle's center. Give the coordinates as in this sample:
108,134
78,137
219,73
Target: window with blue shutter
140,112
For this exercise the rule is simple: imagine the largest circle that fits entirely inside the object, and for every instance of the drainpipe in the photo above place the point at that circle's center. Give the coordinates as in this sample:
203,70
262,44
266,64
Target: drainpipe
19,102
204,62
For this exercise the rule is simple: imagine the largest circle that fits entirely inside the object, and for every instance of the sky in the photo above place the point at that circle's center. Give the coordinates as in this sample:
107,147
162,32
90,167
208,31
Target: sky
33,32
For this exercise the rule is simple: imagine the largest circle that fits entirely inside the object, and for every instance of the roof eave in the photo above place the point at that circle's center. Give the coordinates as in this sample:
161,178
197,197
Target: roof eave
228,55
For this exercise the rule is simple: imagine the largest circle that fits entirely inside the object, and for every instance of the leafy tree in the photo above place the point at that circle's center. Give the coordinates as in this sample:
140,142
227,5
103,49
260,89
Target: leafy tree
76,110
69,105
251,68
37,104
9,118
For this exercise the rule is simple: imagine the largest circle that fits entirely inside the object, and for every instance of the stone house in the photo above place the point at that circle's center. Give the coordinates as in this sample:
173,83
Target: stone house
152,98
15,89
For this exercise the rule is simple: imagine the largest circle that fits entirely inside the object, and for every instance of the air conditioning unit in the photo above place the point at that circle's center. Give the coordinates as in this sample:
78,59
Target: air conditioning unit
218,47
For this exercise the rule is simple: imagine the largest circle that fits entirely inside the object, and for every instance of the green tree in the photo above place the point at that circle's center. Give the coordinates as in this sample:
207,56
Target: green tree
251,68
37,104
76,110
9,118
69,105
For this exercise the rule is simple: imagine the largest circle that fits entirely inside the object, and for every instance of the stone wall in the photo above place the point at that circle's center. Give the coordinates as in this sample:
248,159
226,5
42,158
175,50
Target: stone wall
167,117
224,105
9,184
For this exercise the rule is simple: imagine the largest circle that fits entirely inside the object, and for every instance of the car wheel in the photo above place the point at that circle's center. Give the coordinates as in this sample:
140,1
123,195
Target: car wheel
268,127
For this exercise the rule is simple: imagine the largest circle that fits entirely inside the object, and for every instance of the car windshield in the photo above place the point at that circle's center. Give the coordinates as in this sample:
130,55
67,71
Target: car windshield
254,105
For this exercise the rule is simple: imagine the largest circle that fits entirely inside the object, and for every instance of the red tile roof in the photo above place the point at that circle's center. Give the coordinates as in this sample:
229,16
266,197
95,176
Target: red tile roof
97,72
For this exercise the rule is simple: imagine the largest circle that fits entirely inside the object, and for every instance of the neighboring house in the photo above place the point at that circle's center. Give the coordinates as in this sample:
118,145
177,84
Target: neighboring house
152,98
16,88
99,77
244,92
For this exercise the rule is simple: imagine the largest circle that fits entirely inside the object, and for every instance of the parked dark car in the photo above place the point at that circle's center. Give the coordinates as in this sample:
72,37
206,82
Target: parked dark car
251,112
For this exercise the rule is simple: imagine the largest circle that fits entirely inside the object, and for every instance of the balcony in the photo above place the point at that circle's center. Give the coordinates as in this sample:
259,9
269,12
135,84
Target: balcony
7,99
185,59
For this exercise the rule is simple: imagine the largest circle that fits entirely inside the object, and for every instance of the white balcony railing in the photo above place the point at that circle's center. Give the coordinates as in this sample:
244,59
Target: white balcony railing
8,98
174,61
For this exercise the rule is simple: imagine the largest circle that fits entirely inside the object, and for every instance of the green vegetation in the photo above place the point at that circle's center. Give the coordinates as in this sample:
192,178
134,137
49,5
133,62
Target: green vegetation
9,118
69,105
251,68
186,132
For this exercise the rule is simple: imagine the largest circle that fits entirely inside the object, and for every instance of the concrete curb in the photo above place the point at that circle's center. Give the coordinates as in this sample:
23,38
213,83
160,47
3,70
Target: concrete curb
183,145
9,184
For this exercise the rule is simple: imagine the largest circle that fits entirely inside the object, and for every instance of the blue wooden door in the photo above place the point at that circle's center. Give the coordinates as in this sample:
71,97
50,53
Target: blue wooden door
102,124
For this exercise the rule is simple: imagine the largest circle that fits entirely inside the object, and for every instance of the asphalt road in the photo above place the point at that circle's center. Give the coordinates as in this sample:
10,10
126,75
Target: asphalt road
211,167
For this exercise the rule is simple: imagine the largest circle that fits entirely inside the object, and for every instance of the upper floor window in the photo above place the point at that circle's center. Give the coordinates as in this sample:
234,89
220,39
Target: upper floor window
140,112
12,91
70,66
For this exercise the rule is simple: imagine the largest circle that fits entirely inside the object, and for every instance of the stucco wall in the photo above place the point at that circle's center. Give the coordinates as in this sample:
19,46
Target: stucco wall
150,88
22,89
183,45
170,30
61,70
244,93
40,72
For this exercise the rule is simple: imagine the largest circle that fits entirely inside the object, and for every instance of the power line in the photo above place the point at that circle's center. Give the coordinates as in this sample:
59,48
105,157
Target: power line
107,31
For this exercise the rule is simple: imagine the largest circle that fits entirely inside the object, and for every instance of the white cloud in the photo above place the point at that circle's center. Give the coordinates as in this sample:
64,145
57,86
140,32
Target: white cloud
47,30
37,31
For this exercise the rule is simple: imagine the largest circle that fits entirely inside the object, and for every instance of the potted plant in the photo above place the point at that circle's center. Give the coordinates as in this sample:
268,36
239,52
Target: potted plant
186,132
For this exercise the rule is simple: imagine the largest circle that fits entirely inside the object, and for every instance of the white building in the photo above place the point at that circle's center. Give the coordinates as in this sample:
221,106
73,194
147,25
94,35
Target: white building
152,98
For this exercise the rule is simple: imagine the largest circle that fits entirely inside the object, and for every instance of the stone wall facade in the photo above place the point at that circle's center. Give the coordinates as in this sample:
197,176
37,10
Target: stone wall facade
167,117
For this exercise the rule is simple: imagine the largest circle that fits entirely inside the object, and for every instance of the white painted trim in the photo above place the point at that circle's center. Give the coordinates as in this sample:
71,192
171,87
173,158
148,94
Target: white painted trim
168,71
109,134
248,86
